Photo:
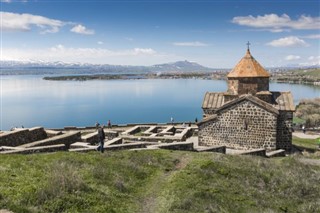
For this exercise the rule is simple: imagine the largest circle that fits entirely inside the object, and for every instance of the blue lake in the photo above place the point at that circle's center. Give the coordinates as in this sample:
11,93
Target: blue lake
31,101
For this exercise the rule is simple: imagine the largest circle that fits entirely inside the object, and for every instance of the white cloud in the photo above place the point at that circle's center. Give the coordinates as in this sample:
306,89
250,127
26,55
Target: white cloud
290,41
190,44
147,51
100,42
15,22
276,23
314,36
135,56
24,22
292,57
80,29
312,61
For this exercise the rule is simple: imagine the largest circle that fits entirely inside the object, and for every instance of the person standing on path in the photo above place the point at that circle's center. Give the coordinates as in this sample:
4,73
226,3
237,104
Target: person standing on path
172,120
101,136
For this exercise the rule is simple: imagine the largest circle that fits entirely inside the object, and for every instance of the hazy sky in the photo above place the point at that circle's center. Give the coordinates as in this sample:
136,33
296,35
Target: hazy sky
213,33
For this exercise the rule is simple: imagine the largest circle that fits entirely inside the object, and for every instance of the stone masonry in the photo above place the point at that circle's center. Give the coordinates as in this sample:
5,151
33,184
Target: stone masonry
242,126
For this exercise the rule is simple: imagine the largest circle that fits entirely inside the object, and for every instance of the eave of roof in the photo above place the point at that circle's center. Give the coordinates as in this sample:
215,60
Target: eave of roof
252,99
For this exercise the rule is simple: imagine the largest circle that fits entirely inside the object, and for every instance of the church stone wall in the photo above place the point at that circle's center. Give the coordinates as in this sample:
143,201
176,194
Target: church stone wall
247,85
242,126
284,130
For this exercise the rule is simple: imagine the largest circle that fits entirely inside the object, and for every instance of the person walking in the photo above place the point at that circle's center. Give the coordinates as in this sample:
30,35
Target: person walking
101,136
304,129
109,124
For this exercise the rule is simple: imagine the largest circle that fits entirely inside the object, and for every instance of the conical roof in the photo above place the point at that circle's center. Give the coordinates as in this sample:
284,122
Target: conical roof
248,67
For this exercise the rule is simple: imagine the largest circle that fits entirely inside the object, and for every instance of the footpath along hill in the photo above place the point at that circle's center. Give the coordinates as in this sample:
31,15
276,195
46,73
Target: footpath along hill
158,181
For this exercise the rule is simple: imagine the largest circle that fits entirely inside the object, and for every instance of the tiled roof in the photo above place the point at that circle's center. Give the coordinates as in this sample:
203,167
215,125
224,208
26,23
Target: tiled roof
248,67
281,100
213,100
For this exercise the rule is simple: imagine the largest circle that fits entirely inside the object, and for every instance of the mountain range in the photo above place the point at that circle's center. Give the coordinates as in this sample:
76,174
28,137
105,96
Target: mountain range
42,67
58,67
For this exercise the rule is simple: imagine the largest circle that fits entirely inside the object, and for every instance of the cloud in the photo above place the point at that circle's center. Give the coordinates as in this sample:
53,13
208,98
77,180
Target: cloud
276,23
190,44
147,51
135,56
292,57
15,22
80,29
24,22
315,36
290,41
312,61
100,42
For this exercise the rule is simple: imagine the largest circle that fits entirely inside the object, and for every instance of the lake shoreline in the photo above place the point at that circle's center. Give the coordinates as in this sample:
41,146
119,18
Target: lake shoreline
202,76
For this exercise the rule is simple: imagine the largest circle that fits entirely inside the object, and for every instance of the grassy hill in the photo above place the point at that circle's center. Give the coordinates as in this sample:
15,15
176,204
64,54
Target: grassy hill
157,181
308,72
307,76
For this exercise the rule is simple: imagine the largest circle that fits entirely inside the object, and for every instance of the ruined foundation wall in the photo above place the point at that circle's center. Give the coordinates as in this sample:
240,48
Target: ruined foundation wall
22,136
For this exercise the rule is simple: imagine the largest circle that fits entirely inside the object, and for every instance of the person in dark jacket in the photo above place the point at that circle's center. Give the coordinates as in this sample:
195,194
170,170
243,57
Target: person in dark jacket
101,137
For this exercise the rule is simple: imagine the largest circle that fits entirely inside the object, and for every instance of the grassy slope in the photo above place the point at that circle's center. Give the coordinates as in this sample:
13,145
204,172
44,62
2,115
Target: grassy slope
306,143
310,72
156,181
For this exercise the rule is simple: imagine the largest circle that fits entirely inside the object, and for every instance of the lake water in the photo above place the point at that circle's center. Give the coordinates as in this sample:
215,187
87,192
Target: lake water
31,101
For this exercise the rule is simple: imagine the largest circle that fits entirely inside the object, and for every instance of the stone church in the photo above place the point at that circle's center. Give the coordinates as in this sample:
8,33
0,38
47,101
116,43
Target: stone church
247,115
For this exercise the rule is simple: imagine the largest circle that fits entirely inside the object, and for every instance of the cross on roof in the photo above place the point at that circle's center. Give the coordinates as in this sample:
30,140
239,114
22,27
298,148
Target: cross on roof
248,44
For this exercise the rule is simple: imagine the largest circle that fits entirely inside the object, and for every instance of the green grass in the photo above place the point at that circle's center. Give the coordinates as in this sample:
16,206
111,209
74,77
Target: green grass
156,181
306,143
310,72
298,121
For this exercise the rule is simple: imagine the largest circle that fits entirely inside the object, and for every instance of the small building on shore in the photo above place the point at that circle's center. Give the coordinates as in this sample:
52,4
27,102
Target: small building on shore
247,115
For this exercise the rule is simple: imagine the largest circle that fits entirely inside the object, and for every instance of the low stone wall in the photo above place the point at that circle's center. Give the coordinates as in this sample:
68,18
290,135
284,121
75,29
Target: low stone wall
276,153
168,139
52,148
65,139
22,136
255,152
219,149
51,133
187,146
132,130
129,146
91,138
111,134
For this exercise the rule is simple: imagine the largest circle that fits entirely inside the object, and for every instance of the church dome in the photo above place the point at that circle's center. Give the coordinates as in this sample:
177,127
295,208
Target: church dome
248,67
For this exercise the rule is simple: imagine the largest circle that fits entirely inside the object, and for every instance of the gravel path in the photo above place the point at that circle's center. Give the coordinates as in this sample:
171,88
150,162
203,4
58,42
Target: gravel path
306,136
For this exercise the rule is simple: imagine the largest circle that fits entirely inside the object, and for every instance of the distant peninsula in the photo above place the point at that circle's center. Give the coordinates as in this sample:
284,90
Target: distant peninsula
307,76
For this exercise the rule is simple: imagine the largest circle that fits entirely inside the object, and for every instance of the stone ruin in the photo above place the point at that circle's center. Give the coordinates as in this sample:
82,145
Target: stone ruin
136,137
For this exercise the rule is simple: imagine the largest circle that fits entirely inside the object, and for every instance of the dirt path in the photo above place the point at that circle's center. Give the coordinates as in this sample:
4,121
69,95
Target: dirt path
153,198
306,136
